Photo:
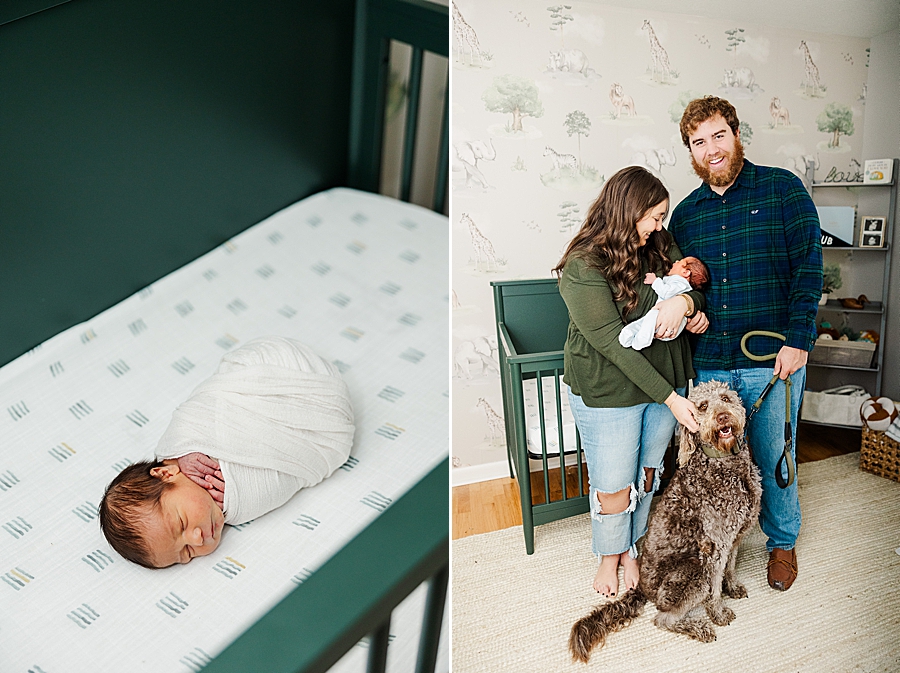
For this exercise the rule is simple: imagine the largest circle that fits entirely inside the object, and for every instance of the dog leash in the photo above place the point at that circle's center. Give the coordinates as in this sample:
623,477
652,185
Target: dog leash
788,435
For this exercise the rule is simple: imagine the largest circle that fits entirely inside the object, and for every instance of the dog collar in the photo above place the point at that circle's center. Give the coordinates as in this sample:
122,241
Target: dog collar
713,452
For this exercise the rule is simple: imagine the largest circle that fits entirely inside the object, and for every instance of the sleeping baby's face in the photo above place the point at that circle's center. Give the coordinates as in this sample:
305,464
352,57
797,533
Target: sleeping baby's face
188,522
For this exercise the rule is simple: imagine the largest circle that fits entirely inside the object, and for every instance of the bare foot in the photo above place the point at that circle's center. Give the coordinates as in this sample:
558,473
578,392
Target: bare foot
606,582
632,570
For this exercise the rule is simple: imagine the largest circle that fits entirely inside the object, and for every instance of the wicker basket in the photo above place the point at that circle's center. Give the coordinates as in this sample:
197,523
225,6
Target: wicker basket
879,454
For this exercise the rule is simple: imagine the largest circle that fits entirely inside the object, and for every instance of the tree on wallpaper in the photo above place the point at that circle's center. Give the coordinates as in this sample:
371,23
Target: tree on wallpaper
737,82
676,109
514,95
734,39
838,120
577,123
558,20
569,216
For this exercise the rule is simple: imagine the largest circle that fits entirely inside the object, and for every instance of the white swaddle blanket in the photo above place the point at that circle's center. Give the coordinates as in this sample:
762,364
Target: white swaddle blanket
275,415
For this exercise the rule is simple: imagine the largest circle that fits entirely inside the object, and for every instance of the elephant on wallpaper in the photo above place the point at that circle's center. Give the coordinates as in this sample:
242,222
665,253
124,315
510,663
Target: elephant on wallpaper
468,154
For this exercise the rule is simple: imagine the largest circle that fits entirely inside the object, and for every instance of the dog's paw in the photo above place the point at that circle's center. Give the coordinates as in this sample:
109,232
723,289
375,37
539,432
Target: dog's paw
705,633
734,590
723,616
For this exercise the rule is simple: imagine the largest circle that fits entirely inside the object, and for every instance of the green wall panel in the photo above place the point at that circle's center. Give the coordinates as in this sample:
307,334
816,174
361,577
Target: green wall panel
136,136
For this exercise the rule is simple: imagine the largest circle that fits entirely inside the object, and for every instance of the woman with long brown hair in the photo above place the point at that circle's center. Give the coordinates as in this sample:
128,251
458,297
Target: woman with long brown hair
625,402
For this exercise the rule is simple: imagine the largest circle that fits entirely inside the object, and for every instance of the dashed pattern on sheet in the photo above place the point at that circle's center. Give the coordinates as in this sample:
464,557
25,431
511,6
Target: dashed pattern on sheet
360,278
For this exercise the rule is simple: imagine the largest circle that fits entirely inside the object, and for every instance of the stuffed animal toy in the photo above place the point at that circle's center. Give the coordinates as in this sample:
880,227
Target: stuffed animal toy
878,413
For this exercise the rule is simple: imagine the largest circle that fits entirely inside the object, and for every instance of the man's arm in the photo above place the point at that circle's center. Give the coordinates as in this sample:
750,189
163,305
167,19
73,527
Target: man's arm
804,248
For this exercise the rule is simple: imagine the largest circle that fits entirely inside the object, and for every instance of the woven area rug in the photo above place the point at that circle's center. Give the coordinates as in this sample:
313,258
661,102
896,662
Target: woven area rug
513,612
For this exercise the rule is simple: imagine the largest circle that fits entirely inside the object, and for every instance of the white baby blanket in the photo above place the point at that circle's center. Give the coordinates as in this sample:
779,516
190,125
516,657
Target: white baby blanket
277,417
640,333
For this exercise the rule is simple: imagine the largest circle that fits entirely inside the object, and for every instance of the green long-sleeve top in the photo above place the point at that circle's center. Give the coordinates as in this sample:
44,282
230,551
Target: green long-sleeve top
597,367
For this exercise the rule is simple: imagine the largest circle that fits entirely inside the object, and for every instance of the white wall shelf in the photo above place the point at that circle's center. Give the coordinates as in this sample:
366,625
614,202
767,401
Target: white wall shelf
877,308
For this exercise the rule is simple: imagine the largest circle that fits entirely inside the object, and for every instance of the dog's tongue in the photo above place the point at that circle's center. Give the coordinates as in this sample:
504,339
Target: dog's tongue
725,432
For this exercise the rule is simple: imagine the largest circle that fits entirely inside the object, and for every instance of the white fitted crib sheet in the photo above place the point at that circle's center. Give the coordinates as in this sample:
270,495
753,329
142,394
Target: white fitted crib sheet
551,422
360,278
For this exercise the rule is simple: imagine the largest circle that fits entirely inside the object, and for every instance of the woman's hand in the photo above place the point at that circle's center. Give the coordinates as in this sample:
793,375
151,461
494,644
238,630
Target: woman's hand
698,324
204,471
671,311
683,411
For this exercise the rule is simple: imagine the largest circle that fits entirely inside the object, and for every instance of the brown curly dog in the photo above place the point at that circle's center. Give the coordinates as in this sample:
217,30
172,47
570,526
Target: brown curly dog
687,561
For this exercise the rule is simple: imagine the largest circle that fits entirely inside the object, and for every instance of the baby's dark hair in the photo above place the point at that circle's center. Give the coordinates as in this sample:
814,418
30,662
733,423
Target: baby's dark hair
126,502
699,272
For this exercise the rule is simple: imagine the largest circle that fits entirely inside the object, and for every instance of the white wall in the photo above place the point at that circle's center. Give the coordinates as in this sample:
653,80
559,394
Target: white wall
525,210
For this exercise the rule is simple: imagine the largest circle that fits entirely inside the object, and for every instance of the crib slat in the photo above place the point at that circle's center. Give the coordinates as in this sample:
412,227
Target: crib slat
414,22
540,407
412,122
559,432
378,647
431,625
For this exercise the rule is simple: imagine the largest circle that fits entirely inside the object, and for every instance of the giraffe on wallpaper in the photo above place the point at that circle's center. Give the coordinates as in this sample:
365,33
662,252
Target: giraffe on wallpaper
660,70
466,39
494,420
812,72
484,250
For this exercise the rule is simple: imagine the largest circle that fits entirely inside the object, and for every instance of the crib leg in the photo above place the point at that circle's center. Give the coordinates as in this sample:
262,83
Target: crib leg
527,512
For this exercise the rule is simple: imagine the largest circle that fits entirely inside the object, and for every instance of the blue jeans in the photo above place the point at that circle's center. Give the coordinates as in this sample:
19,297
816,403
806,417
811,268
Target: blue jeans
779,517
618,444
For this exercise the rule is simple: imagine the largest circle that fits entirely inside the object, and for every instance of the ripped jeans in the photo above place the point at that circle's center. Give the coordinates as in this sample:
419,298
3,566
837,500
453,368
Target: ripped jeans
618,444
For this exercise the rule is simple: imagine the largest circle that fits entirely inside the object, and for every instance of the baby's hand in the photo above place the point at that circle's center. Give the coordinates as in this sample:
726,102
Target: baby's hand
650,278
204,471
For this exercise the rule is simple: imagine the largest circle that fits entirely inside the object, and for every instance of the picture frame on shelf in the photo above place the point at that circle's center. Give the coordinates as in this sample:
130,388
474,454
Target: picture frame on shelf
871,232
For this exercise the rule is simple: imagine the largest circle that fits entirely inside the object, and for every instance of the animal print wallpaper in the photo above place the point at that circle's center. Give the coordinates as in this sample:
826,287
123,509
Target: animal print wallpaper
550,100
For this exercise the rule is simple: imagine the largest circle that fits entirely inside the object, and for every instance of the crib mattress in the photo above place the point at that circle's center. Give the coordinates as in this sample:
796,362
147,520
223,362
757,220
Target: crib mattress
551,422
360,278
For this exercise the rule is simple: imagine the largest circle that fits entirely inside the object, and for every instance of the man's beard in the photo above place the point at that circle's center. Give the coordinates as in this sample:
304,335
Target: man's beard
719,178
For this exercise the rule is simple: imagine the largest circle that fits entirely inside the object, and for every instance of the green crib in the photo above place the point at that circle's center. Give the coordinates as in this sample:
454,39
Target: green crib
532,320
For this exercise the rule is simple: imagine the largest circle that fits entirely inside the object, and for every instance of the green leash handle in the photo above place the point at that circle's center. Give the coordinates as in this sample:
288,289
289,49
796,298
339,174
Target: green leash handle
788,435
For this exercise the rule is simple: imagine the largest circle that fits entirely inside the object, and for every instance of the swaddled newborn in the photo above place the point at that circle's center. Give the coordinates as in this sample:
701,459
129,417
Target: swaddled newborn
274,418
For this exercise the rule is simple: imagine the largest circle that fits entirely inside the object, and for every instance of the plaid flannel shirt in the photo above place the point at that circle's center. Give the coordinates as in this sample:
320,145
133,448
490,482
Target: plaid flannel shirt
762,243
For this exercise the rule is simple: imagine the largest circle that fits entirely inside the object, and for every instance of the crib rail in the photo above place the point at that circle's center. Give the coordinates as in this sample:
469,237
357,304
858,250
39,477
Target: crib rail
353,594
425,27
532,320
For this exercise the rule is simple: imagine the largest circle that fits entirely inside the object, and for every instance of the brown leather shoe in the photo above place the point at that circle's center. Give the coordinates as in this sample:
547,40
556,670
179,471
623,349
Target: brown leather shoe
782,568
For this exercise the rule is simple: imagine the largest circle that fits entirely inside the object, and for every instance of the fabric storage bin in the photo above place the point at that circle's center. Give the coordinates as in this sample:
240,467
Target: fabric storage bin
835,406
879,454
842,353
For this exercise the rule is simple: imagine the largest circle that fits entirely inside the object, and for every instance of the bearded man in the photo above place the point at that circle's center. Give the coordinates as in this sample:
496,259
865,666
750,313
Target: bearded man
757,230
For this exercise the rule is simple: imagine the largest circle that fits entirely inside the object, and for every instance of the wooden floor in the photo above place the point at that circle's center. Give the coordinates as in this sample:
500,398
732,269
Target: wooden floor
494,505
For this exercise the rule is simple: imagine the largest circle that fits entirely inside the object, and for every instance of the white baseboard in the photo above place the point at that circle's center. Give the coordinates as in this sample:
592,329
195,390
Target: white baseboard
460,476
471,474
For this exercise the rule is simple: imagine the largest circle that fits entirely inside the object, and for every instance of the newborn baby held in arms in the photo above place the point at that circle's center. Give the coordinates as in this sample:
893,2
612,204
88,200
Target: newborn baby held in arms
274,418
